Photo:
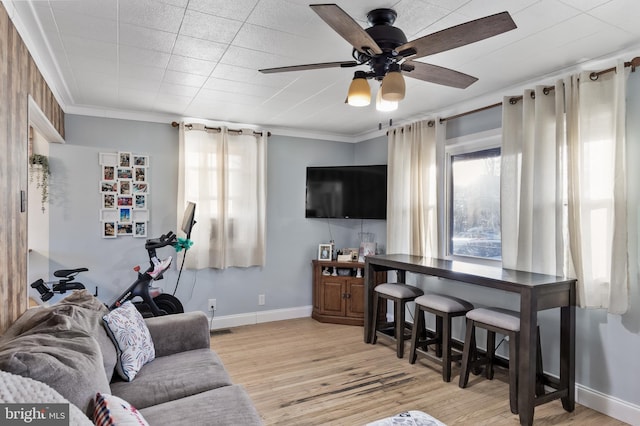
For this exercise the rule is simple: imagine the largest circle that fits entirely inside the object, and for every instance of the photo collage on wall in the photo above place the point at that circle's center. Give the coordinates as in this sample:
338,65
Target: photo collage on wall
124,194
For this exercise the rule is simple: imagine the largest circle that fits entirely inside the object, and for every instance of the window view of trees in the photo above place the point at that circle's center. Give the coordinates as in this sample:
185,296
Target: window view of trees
475,204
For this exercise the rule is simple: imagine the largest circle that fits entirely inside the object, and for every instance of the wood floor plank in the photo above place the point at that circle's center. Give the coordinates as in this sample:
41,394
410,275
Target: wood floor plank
302,372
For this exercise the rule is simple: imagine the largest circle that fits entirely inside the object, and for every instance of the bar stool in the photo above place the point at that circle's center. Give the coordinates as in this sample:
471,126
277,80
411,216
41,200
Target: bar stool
400,294
506,322
444,308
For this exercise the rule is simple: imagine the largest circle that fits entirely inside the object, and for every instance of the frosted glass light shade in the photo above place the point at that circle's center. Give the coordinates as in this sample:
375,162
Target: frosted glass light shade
359,92
382,105
393,86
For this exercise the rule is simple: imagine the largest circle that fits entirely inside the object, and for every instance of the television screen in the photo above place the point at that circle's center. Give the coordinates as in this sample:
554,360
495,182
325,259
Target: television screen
352,192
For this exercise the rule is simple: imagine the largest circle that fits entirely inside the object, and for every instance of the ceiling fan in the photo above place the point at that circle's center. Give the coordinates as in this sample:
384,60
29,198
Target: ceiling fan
385,49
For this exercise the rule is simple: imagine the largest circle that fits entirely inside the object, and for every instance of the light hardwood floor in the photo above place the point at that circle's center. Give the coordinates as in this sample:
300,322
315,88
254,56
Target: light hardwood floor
302,372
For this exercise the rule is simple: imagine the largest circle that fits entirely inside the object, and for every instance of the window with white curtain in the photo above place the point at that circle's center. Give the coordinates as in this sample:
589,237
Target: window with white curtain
224,173
472,181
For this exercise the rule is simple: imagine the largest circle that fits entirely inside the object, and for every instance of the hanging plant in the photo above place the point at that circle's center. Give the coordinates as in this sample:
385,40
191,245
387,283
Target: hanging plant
39,168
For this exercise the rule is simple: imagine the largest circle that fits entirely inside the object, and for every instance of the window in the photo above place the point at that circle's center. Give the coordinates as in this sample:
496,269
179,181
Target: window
473,201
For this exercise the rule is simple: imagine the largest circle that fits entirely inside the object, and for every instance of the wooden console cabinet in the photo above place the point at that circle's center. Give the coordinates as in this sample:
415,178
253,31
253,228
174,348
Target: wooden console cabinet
338,299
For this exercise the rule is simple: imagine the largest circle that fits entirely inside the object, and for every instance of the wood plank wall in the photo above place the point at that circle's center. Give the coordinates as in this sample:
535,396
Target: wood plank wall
19,77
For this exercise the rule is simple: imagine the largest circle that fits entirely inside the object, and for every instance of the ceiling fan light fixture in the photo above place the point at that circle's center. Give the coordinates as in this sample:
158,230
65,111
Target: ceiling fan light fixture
359,90
385,106
393,87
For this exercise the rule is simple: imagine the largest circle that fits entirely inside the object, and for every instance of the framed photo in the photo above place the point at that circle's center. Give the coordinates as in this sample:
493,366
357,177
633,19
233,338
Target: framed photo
124,215
140,201
324,251
125,201
140,174
108,201
108,229
366,249
108,159
139,229
109,186
125,229
140,215
125,187
124,159
140,160
140,188
125,173
108,172
109,215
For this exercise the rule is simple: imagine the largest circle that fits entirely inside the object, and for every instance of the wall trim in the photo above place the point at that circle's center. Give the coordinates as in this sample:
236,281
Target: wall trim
609,405
251,318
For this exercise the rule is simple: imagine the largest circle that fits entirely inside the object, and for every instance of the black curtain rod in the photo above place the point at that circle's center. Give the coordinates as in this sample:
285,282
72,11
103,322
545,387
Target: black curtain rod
635,62
218,129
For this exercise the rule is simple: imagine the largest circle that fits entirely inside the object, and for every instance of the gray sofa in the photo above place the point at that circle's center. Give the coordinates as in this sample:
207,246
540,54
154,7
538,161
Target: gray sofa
66,347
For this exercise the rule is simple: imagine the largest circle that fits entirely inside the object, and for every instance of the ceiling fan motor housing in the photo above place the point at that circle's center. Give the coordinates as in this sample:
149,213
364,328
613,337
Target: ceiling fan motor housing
387,37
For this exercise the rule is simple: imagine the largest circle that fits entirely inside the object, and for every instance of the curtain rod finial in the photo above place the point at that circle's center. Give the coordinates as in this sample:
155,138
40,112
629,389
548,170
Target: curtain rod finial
174,124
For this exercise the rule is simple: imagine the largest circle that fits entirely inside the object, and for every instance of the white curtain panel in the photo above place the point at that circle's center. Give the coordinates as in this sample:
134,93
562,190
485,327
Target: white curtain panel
597,188
224,173
563,186
531,183
412,213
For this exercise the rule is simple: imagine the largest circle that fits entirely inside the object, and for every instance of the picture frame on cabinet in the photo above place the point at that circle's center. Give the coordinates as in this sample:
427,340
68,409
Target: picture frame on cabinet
324,251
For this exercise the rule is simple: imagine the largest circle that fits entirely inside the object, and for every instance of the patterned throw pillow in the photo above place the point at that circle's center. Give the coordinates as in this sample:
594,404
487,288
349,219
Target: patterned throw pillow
132,339
110,411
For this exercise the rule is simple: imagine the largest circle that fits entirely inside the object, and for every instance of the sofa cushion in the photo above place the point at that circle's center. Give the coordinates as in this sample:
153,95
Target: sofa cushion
172,377
111,410
228,405
16,389
132,340
55,345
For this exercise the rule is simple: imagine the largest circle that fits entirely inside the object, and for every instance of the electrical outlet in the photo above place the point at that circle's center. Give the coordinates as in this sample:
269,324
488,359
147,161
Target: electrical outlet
212,304
261,299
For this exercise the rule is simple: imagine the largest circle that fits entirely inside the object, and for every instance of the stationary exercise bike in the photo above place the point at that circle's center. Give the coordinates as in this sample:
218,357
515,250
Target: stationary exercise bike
154,302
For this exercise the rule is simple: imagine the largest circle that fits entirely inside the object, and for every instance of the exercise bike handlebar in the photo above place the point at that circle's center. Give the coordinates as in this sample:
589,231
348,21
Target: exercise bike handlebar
164,240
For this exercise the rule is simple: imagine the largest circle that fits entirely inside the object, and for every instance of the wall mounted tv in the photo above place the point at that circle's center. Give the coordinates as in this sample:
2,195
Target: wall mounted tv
351,192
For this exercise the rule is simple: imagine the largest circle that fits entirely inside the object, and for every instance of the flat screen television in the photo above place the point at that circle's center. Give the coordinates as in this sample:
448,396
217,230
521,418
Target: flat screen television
351,192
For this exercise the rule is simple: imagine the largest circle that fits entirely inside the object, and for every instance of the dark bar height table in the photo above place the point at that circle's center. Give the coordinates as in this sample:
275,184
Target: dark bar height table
537,292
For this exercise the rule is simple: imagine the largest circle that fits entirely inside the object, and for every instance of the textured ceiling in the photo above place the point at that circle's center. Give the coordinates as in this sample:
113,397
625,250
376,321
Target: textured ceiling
199,58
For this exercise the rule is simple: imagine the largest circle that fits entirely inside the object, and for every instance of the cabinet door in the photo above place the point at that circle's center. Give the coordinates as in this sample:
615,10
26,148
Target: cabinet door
332,301
355,302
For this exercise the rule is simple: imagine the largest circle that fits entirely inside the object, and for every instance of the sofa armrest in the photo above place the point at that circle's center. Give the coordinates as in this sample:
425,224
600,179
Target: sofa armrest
179,333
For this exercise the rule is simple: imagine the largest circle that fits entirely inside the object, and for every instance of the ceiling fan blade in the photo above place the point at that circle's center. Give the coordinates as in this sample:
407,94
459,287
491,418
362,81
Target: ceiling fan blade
344,64
460,35
349,29
436,74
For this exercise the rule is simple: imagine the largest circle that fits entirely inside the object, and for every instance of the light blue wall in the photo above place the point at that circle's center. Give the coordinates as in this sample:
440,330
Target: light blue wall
292,240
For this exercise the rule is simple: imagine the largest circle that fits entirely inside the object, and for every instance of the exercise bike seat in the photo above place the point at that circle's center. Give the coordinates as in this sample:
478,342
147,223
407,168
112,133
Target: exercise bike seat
64,273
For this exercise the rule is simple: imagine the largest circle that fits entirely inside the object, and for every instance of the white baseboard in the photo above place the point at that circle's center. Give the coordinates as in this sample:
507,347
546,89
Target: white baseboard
260,317
606,404
609,405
